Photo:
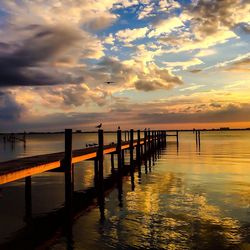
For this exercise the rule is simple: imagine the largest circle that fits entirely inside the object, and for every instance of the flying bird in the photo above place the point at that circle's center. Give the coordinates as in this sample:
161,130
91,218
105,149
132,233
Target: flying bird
99,126
108,82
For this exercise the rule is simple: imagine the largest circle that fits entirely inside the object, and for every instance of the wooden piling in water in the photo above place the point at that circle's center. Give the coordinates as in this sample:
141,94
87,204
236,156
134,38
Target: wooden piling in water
68,171
149,148
145,143
100,173
138,148
131,147
119,149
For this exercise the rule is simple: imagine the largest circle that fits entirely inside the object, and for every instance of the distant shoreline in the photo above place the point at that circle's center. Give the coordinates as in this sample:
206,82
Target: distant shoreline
111,132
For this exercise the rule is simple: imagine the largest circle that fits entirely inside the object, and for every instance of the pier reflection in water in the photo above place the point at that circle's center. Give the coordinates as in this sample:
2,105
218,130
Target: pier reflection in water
185,199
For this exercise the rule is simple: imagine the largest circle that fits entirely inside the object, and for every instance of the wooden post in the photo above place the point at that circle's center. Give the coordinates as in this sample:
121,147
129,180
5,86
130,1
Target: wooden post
196,138
131,151
149,149
100,173
131,147
100,153
177,136
28,198
138,148
118,149
153,144
199,139
119,163
165,138
145,143
68,171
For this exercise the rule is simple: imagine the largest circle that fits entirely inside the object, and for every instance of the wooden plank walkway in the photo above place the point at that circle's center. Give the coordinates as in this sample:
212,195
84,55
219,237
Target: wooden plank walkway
24,167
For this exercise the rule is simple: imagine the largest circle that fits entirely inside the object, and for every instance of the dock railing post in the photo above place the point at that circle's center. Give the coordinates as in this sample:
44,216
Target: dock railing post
145,143
149,148
68,171
131,147
131,152
119,149
138,148
100,172
165,138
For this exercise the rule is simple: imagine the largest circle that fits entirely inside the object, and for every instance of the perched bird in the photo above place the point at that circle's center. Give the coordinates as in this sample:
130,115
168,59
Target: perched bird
99,126
108,82
119,127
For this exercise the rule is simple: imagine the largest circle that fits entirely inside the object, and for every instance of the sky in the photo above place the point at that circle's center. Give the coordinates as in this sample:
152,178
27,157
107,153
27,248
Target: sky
174,64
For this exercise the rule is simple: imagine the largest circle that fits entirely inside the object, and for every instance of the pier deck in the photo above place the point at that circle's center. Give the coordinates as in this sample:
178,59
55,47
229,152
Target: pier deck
23,167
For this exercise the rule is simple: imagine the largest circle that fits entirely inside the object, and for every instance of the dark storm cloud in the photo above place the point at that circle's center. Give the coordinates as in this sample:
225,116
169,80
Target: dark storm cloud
10,110
30,62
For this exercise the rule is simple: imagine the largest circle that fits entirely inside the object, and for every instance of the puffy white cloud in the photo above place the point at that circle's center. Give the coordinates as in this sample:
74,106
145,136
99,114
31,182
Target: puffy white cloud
166,26
206,52
184,64
129,35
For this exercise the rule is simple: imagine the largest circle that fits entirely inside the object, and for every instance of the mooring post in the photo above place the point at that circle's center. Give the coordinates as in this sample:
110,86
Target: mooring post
165,137
177,136
119,149
28,198
196,137
131,147
199,138
153,144
138,148
145,143
149,149
68,171
100,173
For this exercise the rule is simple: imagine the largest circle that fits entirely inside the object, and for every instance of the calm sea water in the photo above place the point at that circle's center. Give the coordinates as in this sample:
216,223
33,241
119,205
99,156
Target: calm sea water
191,199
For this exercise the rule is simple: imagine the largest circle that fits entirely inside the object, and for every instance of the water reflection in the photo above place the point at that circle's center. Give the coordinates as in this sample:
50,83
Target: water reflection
187,201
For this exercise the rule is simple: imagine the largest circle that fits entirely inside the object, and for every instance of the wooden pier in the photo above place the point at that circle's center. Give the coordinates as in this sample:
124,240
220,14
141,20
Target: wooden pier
28,166
143,147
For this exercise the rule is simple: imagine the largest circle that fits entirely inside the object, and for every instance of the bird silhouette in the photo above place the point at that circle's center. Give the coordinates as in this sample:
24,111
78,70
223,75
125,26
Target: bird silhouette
99,126
108,82
119,127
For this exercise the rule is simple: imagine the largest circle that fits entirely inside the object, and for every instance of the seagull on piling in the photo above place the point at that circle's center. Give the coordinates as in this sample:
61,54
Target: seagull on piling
99,126
119,127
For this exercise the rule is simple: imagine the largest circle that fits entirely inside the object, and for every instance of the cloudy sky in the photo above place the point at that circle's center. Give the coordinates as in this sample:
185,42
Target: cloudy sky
174,64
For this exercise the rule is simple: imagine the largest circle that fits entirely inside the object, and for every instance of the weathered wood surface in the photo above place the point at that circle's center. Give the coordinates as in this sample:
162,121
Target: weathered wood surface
23,167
